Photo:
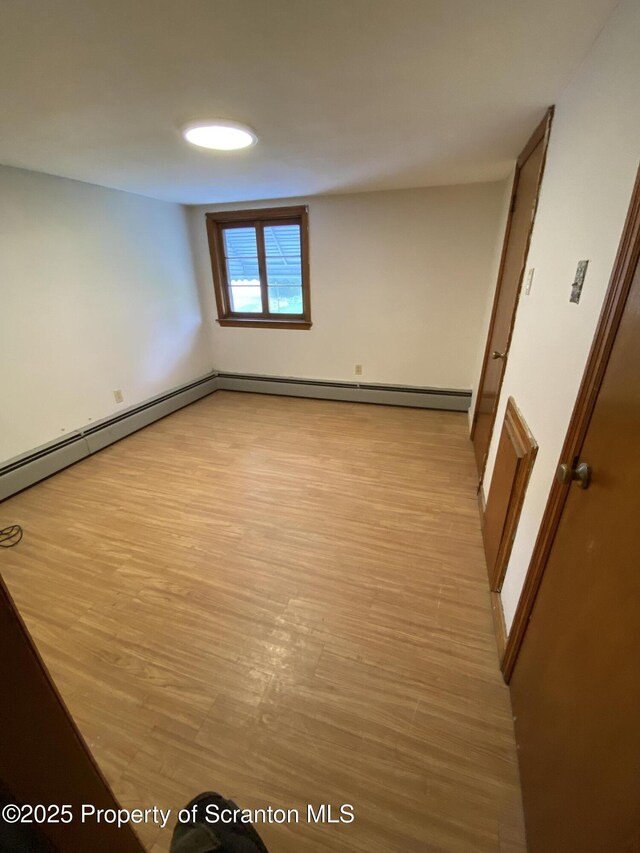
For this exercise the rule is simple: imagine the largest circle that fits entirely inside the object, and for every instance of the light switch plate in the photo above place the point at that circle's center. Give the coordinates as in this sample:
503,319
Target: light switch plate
578,282
528,282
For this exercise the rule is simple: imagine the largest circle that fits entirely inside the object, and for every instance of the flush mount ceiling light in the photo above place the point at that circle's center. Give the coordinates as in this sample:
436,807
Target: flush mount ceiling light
220,135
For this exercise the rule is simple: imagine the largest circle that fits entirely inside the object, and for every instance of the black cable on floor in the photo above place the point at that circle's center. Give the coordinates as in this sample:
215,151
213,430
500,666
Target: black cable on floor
10,536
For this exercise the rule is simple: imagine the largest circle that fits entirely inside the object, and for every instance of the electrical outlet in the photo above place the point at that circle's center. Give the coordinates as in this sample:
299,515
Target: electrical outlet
117,396
358,370
529,282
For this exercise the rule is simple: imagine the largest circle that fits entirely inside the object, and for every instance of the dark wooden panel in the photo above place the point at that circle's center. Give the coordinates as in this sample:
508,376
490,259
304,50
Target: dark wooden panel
514,460
504,475
43,758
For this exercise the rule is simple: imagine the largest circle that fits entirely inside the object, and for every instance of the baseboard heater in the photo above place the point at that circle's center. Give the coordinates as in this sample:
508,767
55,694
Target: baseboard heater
355,392
30,468
23,471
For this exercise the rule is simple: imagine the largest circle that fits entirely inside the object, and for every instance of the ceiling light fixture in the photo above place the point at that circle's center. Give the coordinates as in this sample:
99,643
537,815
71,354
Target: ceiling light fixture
219,135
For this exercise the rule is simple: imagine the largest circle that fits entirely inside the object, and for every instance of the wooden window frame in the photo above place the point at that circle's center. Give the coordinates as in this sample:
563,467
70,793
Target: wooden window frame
258,219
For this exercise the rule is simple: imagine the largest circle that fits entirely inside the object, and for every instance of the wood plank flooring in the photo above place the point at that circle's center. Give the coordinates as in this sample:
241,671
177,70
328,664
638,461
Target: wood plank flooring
286,601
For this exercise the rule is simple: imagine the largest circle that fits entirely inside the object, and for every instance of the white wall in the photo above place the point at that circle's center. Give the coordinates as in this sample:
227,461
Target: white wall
97,293
591,166
399,282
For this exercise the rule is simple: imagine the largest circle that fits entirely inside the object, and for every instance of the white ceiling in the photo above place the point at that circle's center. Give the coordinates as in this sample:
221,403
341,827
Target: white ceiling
345,94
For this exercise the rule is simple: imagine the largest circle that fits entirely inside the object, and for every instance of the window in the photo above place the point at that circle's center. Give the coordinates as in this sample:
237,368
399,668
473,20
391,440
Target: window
260,263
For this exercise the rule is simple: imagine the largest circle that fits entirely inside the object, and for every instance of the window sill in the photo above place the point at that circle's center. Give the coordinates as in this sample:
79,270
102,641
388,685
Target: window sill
255,323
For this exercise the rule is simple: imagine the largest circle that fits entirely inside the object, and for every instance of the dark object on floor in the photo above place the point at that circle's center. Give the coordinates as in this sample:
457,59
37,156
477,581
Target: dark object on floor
10,536
201,836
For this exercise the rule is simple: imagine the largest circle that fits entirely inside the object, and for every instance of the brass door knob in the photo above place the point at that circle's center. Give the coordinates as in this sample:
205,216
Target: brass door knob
496,355
565,474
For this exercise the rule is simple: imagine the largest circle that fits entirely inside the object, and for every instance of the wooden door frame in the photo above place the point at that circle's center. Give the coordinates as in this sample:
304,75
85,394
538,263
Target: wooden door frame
624,270
542,132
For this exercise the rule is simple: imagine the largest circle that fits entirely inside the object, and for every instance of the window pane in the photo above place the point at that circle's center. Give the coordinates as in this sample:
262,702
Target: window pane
243,271
246,298
284,268
243,274
284,271
240,242
281,240
285,300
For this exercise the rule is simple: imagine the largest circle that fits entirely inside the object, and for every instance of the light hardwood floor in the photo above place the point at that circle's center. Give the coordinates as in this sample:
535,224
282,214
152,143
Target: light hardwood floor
284,600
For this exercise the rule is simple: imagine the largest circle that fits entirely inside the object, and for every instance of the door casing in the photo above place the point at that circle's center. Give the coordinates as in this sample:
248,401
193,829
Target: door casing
540,135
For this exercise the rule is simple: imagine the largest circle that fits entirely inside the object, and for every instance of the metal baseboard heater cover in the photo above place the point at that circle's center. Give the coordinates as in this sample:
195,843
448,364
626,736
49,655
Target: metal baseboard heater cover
30,468
448,399
25,470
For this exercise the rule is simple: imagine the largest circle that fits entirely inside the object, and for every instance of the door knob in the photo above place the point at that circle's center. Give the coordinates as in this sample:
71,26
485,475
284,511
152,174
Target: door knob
565,474
496,355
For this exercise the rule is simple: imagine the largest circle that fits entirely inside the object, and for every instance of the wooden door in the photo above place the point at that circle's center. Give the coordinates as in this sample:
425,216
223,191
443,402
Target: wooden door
524,201
576,683
43,758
